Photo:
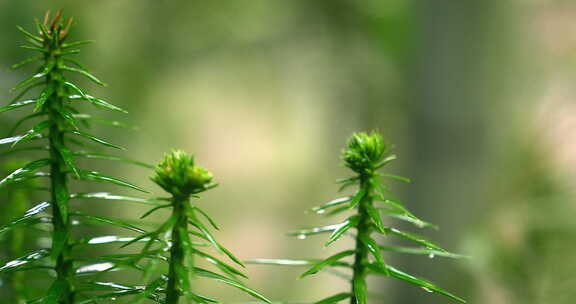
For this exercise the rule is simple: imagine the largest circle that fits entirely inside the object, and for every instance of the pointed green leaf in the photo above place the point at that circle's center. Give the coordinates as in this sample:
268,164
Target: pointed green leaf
208,236
29,35
33,48
24,260
95,176
335,298
396,177
76,43
426,285
386,161
83,73
343,227
302,234
20,121
431,253
294,262
111,157
375,217
219,263
17,105
414,238
357,197
32,133
208,274
154,209
113,197
107,220
210,220
327,262
44,95
26,62
113,123
96,139
97,101
373,248
337,202
68,158
28,169
28,218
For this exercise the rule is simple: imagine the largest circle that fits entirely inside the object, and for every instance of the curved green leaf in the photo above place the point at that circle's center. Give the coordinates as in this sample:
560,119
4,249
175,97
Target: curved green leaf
208,274
92,155
17,105
327,262
414,238
96,139
32,133
210,220
208,236
95,176
302,234
431,253
428,286
107,220
342,228
375,217
113,197
96,101
219,263
335,298
24,260
27,170
373,248
26,62
337,202
83,73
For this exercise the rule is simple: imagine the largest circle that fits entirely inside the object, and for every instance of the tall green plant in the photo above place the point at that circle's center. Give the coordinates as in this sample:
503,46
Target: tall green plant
365,155
60,127
178,175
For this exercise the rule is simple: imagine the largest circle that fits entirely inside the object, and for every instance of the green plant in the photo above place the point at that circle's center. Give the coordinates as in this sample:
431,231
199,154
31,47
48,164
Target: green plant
178,175
365,155
61,125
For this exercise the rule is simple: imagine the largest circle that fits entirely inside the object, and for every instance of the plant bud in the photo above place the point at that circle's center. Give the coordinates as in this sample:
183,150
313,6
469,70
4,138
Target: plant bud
365,151
178,175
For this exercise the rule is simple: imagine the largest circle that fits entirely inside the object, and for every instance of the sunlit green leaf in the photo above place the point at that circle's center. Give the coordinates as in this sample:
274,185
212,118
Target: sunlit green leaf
333,203
214,243
44,95
26,170
32,133
96,101
431,253
114,197
294,262
24,260
17,105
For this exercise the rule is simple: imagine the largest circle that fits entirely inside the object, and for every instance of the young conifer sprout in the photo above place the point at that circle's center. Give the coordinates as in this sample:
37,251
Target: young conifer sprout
60,134
365,155
178,175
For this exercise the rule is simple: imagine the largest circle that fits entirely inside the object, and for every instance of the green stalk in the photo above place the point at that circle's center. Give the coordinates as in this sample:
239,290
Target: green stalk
361,261
177,251
62,234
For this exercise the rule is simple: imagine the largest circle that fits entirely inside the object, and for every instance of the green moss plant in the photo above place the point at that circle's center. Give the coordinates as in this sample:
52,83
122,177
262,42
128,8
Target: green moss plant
178,175
61,128
365,155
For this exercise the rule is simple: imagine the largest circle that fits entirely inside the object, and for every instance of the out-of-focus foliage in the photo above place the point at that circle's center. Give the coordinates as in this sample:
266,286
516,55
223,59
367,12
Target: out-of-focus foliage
265,90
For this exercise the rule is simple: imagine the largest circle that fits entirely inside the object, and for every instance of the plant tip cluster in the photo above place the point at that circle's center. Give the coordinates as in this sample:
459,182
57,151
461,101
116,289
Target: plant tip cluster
179,176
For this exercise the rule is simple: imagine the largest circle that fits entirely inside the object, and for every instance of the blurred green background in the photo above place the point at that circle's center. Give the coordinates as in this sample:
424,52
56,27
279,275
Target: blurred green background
477,97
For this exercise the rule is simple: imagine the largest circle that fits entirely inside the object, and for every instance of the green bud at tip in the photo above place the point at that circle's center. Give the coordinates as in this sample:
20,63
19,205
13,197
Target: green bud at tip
178,175
365,151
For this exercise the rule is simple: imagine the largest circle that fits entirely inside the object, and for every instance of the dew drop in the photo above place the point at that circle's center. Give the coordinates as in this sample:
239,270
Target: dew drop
321,211
427,290
301,237
431,255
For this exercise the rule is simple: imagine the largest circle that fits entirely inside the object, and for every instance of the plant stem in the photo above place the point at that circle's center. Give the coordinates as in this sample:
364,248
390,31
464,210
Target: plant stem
177,254
62,234
364,228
